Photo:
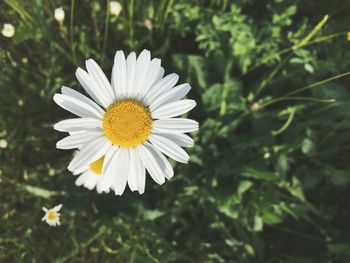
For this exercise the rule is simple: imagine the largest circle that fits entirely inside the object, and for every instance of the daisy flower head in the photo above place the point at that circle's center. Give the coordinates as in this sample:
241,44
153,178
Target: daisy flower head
132,122
52,216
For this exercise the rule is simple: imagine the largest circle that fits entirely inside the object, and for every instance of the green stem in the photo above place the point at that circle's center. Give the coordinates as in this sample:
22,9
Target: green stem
263,105
293,48
105,36
131,41
167,10
71,32
319,83
286,124
272,74
313,32
333,131
313,85
299,234
223,103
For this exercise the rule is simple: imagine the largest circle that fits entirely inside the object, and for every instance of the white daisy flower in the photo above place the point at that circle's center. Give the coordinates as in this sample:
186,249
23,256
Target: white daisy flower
132,122
52,217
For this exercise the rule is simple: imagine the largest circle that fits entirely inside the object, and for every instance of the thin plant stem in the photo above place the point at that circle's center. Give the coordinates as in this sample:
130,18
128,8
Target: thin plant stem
131,41
333,131
268,103
293,48
286,124
313,85
271,75
319,83
71,28
299,234
105,36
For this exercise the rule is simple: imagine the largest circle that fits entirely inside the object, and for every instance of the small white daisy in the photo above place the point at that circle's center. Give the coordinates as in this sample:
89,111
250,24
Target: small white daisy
52,217
134,126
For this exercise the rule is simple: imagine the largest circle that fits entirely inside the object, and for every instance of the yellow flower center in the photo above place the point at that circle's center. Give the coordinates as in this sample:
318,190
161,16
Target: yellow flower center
96,166
127,123
51,215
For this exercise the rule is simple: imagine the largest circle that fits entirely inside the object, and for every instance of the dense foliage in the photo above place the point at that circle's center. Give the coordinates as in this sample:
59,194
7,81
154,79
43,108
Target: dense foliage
269,176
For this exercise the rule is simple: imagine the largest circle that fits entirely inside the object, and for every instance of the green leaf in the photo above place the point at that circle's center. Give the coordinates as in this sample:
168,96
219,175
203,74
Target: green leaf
308,146
270,217
263,175
258,223
339,248
152,214
244,186
40,192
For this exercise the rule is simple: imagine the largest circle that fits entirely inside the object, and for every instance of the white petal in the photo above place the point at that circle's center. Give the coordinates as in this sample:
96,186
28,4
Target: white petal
121,171
77,140
91,181
173,109
119,82
108,170
140,171
57,208
161,86
180,139
99,190
77,124
89,153
159,75
168,169
151,77
137,173
75,94
76,106
142,65
82,178
100,79
169,148
171,95
175,125
155,166
132,175
130,73
91,88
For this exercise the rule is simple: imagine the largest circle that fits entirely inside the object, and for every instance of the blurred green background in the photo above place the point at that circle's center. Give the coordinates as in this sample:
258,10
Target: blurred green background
268,179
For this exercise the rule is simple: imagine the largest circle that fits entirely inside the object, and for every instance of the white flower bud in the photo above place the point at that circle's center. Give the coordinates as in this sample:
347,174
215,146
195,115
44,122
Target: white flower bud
59,14
3,143
115,8
8,30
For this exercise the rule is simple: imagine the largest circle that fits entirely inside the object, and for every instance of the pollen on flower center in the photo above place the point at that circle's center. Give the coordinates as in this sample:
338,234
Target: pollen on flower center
96,166
127,123
51,215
